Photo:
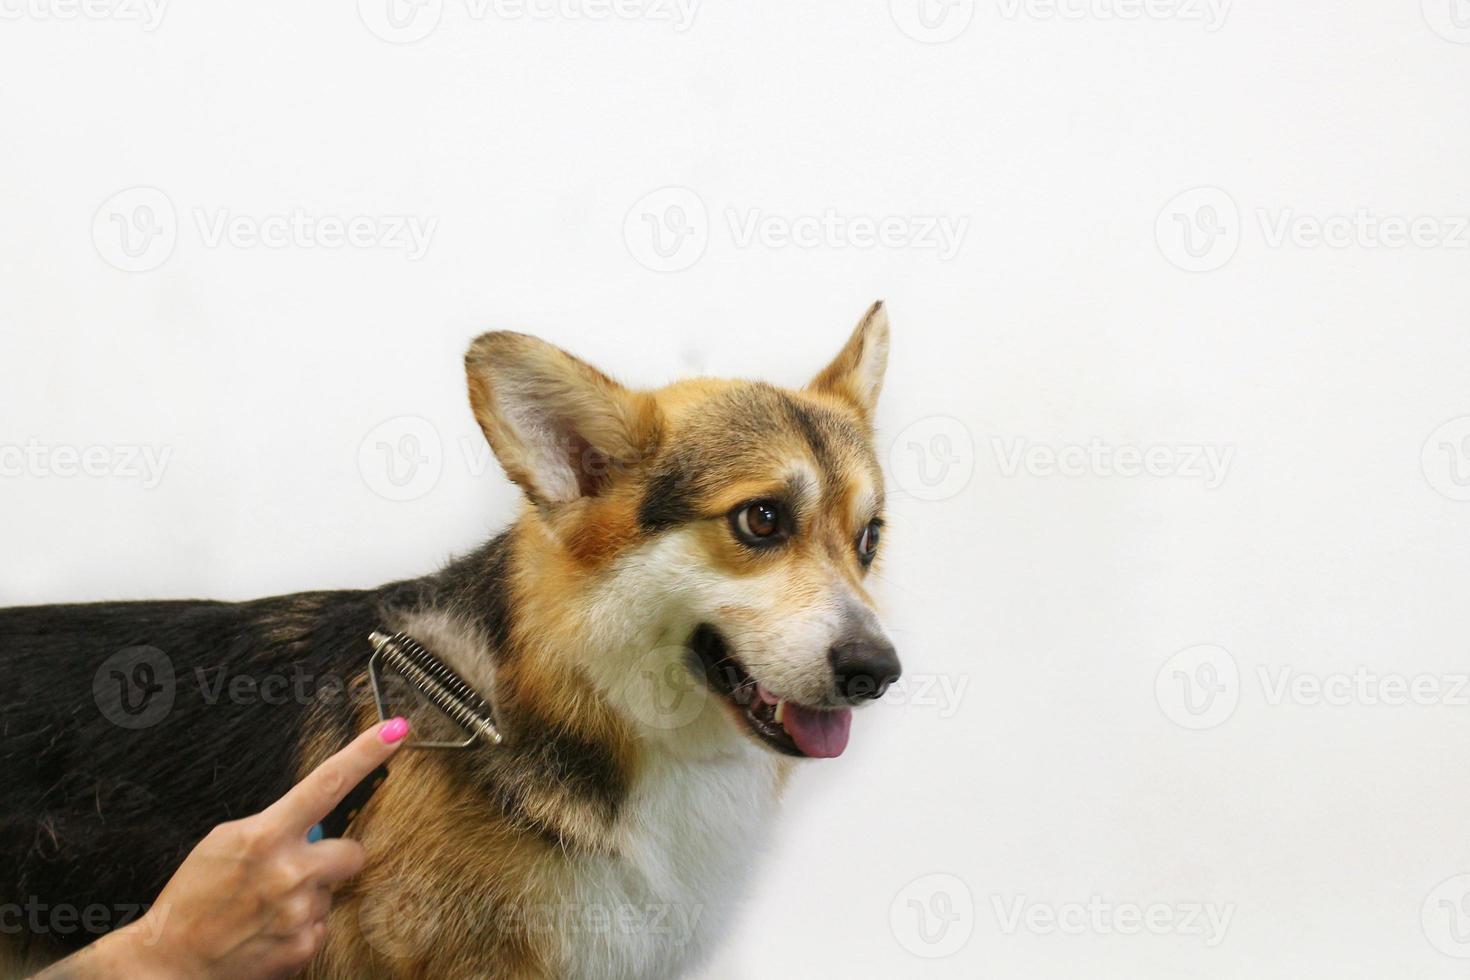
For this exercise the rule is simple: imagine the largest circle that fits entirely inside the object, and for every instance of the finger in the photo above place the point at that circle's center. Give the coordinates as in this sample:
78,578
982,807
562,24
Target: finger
321,905
333,860
291,954
323,788
300,910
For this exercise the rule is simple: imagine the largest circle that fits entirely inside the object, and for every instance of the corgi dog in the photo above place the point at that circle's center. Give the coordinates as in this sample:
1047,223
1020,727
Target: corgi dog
679,613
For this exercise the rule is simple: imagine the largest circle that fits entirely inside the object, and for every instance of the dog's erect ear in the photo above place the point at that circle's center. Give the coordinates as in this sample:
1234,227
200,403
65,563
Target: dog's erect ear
856,374
561,428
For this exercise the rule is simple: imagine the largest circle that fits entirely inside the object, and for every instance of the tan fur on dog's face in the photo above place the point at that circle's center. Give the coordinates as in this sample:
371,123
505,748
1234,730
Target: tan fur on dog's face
634,492
782,607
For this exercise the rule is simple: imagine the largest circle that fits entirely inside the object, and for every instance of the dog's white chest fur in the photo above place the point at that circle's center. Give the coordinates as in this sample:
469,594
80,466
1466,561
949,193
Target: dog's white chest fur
691,832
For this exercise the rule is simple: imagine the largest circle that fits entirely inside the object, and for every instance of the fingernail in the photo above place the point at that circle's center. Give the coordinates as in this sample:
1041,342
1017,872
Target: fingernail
315,833
393,729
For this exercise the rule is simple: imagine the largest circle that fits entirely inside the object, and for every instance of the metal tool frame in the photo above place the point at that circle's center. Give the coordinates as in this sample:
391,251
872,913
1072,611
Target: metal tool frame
381,642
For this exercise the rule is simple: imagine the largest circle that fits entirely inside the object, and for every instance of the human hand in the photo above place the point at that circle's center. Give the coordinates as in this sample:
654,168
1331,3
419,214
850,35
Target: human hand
251,899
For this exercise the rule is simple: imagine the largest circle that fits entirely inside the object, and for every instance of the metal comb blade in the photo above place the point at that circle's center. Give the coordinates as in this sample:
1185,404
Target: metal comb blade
436,682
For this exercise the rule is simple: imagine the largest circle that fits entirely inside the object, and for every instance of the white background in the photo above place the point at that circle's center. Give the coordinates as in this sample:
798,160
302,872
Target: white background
1057,771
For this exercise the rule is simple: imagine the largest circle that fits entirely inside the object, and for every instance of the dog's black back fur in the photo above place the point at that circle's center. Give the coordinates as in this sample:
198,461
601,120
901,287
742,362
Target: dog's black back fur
97,812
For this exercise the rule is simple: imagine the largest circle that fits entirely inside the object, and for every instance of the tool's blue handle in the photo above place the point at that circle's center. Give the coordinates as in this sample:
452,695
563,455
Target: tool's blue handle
335,823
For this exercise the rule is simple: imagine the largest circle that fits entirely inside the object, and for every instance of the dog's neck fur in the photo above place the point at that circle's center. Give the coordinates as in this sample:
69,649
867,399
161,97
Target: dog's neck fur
550,641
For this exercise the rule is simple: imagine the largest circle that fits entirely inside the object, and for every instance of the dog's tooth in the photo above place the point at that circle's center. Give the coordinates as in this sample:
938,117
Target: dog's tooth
780,709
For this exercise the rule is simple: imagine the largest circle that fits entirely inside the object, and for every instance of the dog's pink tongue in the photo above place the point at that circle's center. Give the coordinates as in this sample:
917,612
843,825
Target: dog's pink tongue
819,734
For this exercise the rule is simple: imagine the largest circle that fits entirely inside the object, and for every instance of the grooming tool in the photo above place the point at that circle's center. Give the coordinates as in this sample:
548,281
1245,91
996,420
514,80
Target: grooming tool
437,683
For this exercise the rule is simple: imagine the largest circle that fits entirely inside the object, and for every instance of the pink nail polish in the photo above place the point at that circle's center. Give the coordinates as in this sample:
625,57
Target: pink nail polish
393,729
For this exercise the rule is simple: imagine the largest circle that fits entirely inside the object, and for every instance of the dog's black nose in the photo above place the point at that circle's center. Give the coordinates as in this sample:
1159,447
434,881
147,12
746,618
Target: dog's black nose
863,667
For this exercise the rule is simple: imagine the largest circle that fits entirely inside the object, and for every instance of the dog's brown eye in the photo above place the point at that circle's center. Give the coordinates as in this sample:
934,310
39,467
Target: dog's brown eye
867,545
759,523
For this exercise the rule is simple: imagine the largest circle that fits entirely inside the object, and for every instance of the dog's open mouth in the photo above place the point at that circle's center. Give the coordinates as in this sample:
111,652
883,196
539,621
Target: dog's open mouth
795,729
